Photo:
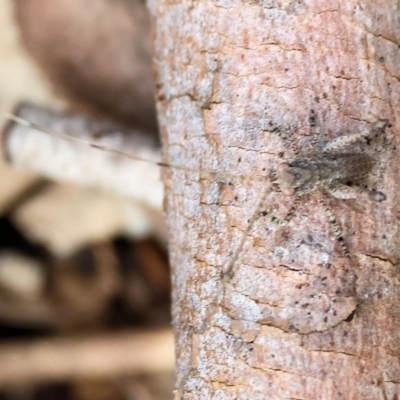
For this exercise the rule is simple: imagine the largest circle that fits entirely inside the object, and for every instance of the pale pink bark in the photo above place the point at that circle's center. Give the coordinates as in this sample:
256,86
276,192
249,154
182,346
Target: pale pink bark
298,321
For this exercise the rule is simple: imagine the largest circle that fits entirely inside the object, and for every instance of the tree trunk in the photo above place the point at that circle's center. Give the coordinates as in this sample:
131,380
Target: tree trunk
297,319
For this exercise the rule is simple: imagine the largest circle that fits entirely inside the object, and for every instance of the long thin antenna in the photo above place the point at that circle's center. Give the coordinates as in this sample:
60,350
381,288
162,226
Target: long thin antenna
204,173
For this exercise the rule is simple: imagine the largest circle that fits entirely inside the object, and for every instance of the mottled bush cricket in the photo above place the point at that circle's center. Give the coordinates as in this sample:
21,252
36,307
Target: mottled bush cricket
336,169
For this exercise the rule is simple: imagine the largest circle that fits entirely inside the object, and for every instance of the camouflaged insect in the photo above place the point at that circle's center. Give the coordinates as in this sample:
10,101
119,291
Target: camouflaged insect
334,171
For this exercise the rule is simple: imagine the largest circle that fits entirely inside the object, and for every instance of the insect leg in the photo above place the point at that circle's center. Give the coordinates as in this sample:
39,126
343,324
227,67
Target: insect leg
285,133
340,143
282,222
336,229
344,192
315,130
256,214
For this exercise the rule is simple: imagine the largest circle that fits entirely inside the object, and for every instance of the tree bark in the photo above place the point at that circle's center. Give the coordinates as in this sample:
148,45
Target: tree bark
298,320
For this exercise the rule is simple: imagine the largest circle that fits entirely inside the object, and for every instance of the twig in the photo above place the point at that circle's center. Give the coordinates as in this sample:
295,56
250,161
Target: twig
92,356
79,159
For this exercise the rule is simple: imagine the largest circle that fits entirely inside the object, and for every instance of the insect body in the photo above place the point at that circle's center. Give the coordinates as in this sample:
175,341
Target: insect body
331,173
334,171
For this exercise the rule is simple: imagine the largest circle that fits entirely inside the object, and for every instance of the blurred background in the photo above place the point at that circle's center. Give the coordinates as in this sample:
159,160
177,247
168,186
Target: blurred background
84,278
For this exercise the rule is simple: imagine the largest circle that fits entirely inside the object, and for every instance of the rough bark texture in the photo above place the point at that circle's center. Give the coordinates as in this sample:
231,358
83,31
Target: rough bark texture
298,320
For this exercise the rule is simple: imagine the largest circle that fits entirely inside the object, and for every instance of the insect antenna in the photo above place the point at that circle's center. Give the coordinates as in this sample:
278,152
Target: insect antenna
116,151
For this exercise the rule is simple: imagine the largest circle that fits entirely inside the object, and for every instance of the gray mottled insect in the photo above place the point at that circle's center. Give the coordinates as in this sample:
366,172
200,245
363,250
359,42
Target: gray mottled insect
335,170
